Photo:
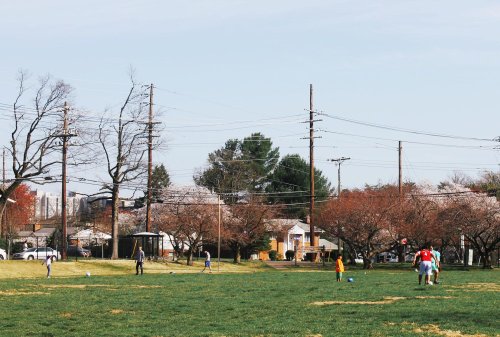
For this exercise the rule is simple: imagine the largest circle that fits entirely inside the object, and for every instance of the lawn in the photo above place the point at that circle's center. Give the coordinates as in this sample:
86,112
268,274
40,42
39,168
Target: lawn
250,300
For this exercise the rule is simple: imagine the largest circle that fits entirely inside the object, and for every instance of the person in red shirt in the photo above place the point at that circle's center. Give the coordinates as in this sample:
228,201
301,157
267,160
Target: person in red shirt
426,257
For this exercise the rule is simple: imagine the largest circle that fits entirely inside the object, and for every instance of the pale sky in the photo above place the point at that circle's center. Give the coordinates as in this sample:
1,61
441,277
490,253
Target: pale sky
225,69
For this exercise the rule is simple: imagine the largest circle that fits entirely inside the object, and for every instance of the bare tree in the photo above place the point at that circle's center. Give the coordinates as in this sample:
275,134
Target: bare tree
34,146
121,137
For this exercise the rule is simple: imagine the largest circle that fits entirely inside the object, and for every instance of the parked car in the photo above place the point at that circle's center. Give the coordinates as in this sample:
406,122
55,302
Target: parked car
78,251
3,254
387,257
39,253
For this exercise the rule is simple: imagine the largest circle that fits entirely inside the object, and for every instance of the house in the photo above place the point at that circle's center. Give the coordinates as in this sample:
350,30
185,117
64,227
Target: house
288,233
88,237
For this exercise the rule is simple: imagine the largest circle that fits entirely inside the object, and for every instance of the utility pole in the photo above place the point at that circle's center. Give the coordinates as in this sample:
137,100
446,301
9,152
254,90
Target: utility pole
339,161
218,241
150,159
2,223
400,149
311,167
65,135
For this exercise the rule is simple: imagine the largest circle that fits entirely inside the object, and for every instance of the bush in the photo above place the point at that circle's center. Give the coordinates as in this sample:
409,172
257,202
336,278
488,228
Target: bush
272,255
289,254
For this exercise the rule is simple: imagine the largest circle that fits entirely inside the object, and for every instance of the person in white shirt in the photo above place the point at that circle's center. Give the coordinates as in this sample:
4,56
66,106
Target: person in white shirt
207,262
48,263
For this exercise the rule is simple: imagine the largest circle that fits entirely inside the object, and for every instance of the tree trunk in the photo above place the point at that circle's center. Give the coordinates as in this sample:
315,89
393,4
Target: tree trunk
367,263
114,221
2,210
190,257
237,254
401,253
486,260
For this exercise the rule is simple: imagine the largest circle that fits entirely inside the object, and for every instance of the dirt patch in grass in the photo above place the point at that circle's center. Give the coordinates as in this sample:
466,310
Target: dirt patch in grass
117,311
434,329
21,293
65,314
145,287
83,286
494,287
440,297
73,286
386,300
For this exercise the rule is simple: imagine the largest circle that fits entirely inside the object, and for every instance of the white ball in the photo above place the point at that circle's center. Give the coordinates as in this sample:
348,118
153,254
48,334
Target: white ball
87,274
416,270
430,283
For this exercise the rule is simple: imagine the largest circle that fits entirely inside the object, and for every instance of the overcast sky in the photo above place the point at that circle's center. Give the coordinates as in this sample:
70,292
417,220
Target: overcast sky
225,69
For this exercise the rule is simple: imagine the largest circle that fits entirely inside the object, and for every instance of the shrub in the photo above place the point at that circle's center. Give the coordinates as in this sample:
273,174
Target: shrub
272,255
289,254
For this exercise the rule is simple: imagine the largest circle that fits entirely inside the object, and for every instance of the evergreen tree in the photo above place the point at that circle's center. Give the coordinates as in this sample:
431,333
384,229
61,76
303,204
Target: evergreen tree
290,185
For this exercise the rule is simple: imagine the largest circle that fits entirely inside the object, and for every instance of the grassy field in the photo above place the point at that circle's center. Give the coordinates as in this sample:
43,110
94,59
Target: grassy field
246,300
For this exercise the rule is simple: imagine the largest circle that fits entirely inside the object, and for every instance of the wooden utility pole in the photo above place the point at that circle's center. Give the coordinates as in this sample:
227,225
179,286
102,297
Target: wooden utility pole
400,149
64,220
218,241
311,167
2,222
150,160
63,192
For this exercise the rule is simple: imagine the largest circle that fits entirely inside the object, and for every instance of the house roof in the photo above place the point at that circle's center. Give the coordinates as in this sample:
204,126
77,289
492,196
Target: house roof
44,232
90,234
287,224
328,244
146,234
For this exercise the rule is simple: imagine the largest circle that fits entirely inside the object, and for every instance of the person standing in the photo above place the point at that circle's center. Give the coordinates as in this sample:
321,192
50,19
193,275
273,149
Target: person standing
48,263
25,245
426,257
139,260
339,268
207,262
436,266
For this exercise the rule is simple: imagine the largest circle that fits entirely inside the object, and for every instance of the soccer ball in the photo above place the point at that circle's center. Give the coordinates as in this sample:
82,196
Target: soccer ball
416,270
430,283
350,279
87,274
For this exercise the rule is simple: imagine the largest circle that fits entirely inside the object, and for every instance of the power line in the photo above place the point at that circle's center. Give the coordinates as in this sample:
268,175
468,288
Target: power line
393,128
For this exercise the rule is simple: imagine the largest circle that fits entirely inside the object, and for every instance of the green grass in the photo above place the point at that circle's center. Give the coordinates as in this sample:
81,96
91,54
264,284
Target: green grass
256,302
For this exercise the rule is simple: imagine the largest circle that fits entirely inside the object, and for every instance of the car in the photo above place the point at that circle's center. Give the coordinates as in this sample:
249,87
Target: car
39,253
3,254
387,257
78,251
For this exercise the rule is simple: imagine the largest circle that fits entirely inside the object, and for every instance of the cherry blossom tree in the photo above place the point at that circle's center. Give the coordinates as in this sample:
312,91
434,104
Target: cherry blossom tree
362,219
190,215
245,225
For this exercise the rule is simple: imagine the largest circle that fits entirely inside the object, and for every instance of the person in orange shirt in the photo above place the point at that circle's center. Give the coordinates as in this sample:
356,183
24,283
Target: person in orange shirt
339,268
